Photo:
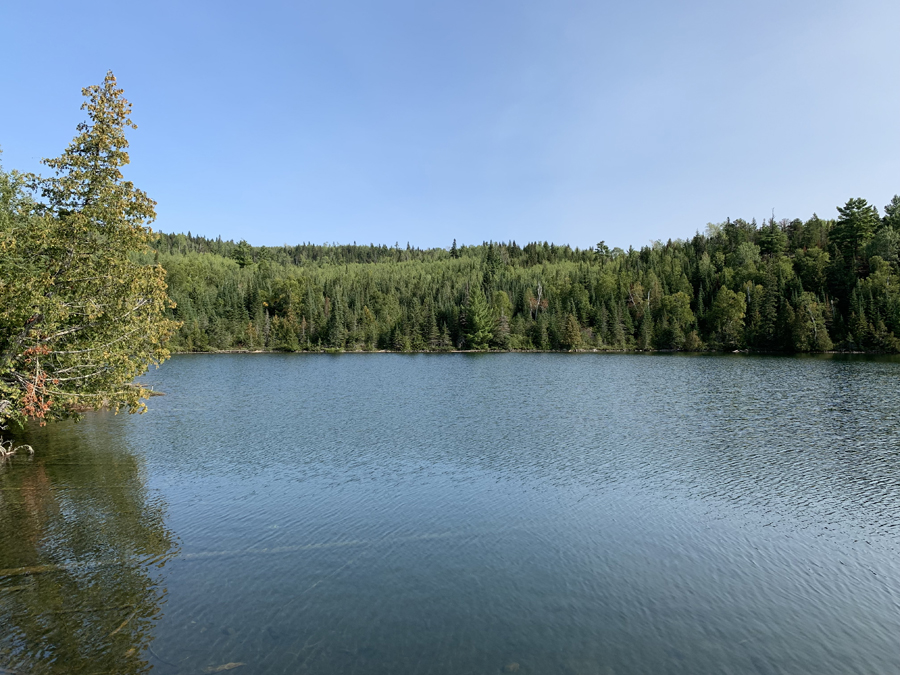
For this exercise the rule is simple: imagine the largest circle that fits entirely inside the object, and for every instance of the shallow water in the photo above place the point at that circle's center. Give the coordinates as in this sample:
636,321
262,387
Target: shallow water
530,513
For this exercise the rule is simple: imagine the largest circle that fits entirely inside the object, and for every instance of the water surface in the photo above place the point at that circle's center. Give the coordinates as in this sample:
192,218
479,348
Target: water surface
530,513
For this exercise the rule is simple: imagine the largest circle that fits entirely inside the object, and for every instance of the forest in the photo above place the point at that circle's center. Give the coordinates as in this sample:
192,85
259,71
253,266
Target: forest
783,286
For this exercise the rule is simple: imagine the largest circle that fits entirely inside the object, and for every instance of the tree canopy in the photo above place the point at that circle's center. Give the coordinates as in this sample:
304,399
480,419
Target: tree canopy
784,286
80,314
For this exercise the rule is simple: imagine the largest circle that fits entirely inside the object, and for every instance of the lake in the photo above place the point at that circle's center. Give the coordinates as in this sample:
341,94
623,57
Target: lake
581,514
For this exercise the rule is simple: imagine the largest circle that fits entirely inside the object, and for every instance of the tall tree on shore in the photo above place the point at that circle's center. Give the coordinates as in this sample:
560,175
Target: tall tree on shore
79,317
571,337
479,321
892,214
854,228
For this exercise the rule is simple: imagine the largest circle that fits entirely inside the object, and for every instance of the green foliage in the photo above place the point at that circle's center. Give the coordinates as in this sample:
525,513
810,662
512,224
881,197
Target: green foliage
727,317
479,321
242,254
885,244
812,267
773,240
80,315
571,337
808,330
892,214
676,322
785,286
854,228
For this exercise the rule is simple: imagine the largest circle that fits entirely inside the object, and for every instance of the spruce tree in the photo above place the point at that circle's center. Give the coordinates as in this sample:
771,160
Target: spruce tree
434,335
571,338
335,329
501,335
479,322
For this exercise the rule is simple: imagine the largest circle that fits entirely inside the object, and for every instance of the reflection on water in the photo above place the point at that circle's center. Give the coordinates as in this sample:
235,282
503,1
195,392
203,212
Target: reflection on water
82,543
460,514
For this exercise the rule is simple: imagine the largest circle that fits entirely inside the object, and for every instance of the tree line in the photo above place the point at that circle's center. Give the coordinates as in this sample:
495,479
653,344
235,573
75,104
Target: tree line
90,296
783,286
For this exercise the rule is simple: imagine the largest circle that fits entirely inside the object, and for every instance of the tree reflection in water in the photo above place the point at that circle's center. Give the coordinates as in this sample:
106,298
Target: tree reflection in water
82,547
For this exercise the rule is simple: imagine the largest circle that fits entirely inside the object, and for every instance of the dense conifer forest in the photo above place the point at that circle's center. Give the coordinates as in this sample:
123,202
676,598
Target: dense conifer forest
784,286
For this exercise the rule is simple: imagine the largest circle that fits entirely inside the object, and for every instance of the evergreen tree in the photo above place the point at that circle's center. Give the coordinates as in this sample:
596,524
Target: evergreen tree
502,334
491,265
571,337
662,296
772,239
541,337
446,343
242,254
479,322
618,330
602,323
80,316
645,332
335,328
434,335
853,230
892,214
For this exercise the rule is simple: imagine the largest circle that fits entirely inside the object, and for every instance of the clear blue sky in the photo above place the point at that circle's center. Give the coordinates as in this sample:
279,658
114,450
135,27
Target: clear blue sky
384,121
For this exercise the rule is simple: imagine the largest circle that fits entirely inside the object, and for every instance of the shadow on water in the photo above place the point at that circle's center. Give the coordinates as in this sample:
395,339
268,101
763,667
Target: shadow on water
82,547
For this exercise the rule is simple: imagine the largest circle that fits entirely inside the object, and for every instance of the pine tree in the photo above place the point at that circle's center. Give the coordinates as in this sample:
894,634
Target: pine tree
892,214
852,231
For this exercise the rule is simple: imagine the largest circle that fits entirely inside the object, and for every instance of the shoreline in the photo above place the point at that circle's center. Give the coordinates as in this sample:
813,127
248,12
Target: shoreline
334,351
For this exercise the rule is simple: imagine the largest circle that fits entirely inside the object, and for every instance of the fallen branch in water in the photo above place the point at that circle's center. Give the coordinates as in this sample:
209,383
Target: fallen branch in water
7,450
